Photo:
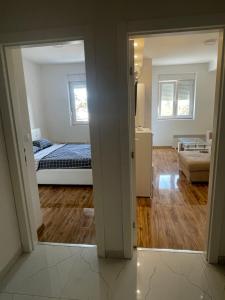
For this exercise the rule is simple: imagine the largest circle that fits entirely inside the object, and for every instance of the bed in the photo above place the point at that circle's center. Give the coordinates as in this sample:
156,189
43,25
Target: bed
63,164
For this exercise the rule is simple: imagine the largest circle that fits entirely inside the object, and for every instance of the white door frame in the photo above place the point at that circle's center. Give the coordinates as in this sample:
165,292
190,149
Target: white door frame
23,205
216,205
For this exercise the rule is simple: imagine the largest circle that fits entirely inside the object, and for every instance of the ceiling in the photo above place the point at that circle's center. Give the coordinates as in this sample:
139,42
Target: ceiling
185,48
168,49
70,52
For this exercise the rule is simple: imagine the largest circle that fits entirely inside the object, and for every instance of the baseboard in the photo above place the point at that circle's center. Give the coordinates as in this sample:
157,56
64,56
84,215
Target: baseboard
114,254
10,264
162,147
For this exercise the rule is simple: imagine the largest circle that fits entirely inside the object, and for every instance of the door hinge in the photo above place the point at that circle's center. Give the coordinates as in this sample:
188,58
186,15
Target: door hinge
132,154
131,71
134,225
25,157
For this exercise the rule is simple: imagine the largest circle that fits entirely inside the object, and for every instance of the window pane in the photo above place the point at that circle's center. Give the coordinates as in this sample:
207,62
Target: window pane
80,97
166,99
183,108
185,91
166,109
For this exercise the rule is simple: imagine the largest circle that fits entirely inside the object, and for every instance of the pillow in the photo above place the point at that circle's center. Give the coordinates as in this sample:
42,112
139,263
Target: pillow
43,143
36,149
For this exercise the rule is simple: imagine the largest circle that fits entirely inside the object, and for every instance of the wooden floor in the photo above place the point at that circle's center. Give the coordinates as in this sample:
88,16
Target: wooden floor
68,214
175,218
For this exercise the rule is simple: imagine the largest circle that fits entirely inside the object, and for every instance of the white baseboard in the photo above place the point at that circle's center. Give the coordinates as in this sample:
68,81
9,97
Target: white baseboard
10,264
114,254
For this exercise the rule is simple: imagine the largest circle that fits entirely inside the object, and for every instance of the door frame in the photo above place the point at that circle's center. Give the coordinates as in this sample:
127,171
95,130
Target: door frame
23,205
216,205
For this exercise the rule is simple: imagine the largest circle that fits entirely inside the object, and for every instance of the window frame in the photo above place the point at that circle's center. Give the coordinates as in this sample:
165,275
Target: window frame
175,100
73,116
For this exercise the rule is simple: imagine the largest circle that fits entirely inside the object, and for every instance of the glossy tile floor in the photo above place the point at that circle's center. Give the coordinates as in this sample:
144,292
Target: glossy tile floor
63,272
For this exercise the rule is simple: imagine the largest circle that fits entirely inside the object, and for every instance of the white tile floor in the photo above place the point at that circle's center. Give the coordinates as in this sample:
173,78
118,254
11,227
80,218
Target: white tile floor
61,272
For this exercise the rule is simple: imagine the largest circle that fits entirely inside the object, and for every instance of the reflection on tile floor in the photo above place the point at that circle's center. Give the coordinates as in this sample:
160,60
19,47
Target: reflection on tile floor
63,272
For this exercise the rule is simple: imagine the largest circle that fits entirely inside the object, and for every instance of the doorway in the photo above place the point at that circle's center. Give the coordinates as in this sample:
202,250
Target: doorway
175,84
50,102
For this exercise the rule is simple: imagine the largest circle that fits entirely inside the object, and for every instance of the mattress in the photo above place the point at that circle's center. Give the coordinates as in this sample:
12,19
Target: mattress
68,156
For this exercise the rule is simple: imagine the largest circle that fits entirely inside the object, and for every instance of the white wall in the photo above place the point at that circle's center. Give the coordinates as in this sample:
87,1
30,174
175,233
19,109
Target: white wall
56,103
102,23
9,232
48,100
35,101
164,130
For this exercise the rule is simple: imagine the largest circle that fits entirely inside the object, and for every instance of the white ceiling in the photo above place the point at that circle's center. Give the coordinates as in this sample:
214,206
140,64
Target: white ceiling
185,48
71,52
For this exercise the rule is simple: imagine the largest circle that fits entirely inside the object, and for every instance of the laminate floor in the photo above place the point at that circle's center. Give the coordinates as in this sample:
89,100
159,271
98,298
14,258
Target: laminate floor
175,218
68,214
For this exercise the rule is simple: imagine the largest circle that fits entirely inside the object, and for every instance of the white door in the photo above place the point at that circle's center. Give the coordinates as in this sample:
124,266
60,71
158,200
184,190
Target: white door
216,194
22,124
131,94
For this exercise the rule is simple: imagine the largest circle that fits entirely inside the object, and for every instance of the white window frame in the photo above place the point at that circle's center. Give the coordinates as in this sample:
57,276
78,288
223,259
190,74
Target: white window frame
175,100
73,118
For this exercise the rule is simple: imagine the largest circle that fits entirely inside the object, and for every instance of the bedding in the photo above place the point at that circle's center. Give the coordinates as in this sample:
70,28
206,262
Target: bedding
44,152
36,149
64,156
42,143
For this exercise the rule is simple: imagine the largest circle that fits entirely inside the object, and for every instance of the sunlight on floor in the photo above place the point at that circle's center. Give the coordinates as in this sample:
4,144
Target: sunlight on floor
168,181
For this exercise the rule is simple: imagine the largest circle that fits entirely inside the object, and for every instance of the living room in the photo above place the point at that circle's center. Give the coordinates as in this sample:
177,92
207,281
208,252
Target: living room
176,80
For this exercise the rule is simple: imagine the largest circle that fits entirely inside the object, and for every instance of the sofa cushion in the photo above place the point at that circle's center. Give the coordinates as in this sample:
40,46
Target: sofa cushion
194,161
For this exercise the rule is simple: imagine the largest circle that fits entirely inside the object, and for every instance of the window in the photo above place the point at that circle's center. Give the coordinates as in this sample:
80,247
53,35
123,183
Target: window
78,102
176,98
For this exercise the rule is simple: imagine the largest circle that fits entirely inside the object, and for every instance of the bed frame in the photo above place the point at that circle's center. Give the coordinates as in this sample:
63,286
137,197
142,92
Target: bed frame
65,176
62,176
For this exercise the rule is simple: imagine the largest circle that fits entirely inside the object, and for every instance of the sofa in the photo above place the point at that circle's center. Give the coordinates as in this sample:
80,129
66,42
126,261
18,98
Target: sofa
195,165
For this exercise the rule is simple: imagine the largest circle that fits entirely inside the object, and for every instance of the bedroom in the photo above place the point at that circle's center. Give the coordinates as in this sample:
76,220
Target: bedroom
55,82
175,84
